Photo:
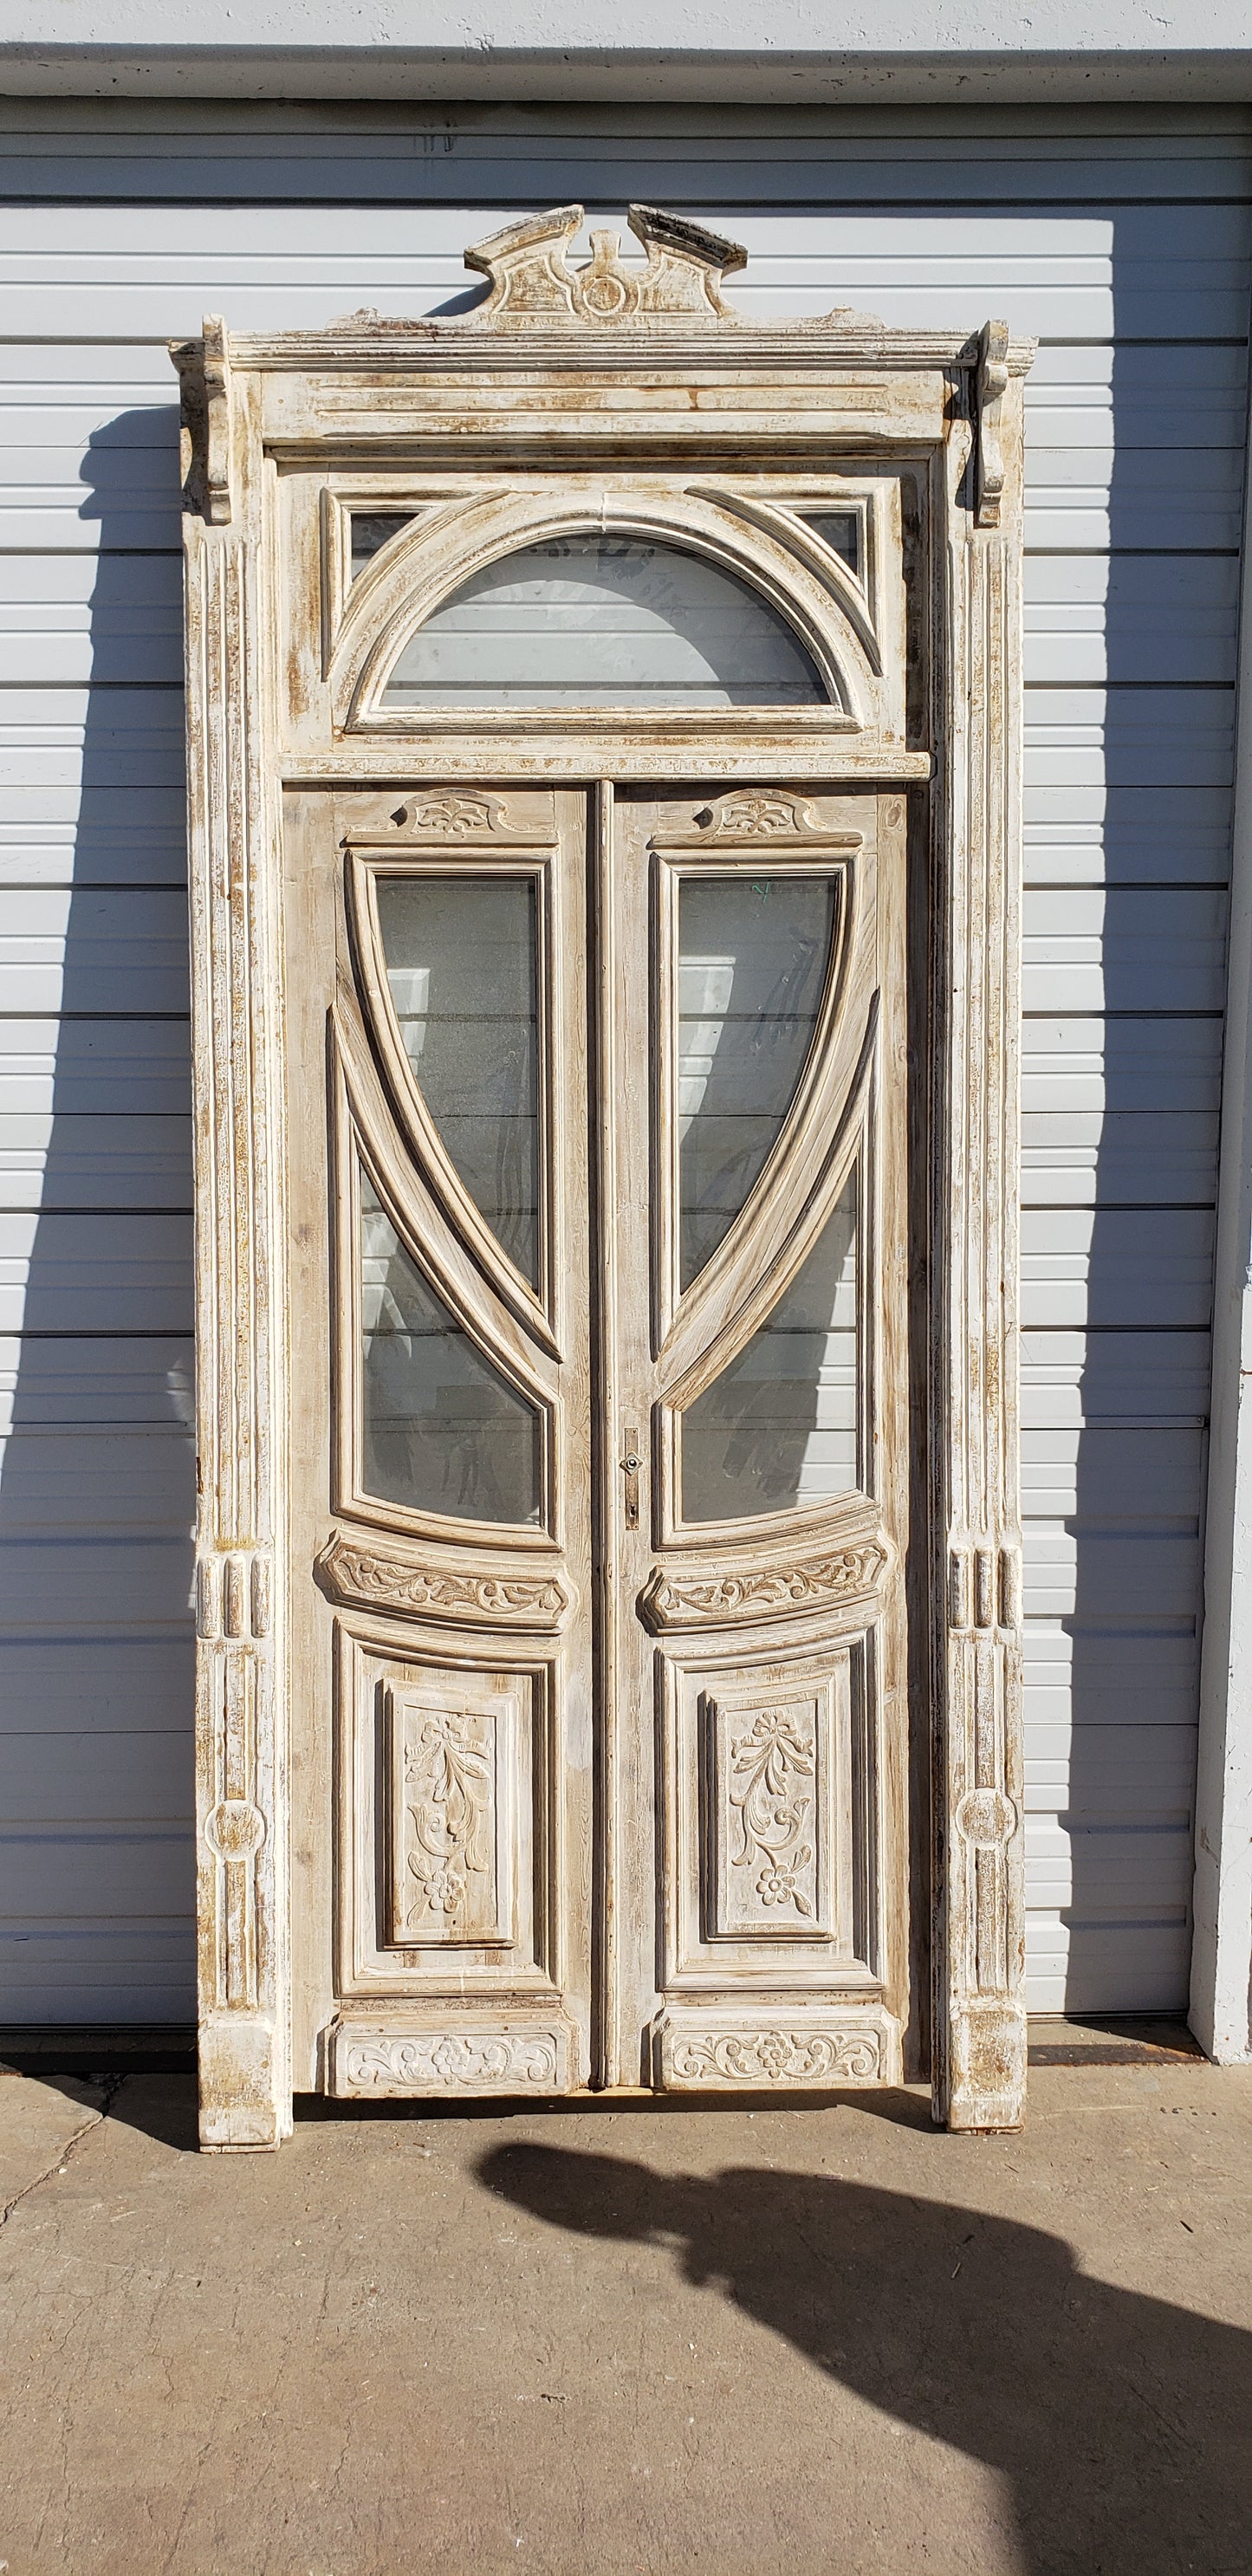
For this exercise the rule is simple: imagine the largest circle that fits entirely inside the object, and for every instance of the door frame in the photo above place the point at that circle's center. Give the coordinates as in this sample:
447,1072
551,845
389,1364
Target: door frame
636,365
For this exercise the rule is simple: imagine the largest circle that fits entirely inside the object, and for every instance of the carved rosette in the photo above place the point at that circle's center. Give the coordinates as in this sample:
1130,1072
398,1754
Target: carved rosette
843,1577
449,2061
371,1579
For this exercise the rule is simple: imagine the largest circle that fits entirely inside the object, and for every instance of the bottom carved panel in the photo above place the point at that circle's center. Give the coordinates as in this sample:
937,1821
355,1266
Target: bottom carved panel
800,2048
382,2060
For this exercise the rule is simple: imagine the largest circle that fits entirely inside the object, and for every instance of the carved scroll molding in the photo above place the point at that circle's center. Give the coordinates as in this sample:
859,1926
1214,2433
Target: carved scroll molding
532,280
470,2058
241,1757
979,2015
373,1579
700,1600
793,2049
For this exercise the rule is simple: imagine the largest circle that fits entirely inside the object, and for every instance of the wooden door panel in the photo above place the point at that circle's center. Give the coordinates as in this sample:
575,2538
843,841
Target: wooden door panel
755,1795
445,1657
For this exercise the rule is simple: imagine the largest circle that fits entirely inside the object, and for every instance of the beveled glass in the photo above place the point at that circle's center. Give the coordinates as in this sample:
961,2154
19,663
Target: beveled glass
604,621
442,1430
753,958
461,960
778,1430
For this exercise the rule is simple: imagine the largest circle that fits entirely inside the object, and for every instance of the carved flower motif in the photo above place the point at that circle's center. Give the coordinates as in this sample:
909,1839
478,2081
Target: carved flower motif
776,1884
442,1886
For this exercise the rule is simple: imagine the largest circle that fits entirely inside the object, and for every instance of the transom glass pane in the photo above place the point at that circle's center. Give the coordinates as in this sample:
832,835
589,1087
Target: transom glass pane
442,1430
753,957
842,532
460,955
604,621
778,1429
371,530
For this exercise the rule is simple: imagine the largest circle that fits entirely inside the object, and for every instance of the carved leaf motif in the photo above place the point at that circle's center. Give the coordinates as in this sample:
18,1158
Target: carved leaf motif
756,817
448,1779
443,2061
356,1573
700,1600
451,818
767,1765
776,2057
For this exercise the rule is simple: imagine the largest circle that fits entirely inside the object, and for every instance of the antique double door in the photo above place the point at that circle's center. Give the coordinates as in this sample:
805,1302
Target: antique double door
600,1309
604,800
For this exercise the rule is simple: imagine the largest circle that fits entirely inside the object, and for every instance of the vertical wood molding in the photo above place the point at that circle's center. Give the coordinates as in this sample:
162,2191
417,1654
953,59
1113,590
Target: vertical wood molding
241,1815
980,2036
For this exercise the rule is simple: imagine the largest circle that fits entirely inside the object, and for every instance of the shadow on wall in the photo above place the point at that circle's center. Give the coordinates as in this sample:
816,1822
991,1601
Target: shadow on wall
1121,2425
1130,1650
97,1494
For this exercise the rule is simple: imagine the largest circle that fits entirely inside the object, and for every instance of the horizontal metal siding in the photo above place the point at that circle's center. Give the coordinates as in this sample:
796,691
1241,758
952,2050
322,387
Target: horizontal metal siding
1129,256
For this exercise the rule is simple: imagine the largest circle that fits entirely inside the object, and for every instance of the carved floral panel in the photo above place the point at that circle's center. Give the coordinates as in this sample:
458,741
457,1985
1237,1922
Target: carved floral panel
452,1771
771,1838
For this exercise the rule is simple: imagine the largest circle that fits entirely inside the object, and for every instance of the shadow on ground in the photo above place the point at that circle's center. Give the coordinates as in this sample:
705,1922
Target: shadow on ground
1121,2424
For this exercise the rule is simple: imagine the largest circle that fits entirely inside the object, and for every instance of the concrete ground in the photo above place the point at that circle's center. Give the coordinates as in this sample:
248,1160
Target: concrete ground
621,2343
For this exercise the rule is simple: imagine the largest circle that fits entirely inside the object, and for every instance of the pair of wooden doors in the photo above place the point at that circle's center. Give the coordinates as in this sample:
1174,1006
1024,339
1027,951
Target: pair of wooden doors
606,1243
601,1436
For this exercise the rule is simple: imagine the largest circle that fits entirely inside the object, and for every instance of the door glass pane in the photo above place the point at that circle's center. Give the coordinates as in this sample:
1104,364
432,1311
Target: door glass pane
604,621
753,956
461,965
778,1429
442,1430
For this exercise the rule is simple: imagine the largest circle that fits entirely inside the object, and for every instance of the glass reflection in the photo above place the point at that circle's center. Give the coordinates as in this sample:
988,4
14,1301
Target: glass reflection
753,957
442,1430
460,954
371,531
604,621
778,1429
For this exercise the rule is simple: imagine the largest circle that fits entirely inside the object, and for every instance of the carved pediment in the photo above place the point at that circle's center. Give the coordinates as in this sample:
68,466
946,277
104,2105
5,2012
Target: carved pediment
532,280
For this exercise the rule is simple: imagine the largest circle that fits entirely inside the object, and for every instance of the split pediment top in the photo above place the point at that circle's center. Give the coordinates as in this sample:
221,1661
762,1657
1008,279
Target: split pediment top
537,289
603,316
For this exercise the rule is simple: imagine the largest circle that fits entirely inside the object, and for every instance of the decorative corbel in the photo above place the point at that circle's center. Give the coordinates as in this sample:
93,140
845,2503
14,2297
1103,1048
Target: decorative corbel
217,424
990,386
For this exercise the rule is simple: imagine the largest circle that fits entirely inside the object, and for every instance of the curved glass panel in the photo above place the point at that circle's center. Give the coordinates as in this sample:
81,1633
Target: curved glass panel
441,1429
460,954
778,1429
753,957
604,621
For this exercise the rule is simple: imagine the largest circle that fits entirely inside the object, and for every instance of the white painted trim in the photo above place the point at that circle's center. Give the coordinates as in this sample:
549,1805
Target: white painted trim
1143,49
1221,1958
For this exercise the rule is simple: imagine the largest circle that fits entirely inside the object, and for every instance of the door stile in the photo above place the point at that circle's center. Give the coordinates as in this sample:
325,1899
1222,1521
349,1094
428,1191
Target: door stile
606,1444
